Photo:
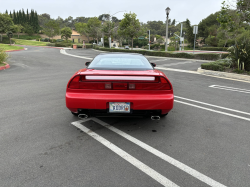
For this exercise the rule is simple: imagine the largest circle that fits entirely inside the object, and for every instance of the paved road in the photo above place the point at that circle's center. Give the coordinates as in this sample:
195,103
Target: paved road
204,141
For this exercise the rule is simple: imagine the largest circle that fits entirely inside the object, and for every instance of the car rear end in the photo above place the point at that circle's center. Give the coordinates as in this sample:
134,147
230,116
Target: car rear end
119,85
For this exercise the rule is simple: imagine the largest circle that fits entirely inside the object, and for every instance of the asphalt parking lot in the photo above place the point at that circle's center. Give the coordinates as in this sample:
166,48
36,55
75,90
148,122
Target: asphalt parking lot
204,140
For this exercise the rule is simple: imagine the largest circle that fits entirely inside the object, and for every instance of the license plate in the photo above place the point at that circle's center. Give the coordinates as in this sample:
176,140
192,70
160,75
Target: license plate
119,107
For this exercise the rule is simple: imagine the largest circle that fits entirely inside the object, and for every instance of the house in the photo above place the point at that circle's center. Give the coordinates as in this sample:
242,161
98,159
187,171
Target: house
75,37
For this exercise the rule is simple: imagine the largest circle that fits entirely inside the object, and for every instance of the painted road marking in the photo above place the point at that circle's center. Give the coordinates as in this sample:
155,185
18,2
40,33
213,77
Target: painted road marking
194,72
230,88
158,153
62,51
224,108
178,63
132,160
216,111
159,60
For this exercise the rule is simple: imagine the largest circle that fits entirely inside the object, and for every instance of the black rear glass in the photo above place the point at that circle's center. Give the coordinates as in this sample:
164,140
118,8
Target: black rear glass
120,62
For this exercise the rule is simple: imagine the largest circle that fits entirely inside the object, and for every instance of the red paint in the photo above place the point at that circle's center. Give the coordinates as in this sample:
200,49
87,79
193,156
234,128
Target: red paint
5,67
143,95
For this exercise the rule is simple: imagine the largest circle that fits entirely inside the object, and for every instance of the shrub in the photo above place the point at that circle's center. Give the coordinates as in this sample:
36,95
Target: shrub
59,40
7,41
77,45
207,56
62,44
53,40
88,46
46,39
214,48
50,44
219,65
3,56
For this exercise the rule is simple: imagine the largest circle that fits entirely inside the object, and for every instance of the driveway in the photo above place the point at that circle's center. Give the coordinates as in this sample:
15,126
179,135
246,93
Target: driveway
204,140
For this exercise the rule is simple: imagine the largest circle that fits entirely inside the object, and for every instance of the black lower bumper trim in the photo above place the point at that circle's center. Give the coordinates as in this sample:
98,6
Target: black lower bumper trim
103,112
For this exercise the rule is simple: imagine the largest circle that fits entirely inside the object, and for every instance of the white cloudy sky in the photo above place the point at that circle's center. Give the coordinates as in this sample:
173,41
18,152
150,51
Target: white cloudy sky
146,10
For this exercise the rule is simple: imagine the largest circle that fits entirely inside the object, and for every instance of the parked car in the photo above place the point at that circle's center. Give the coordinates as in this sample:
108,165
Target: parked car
118,84
126,47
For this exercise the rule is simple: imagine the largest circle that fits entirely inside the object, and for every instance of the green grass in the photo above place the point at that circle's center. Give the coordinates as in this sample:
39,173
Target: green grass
2,64
29,42
8,47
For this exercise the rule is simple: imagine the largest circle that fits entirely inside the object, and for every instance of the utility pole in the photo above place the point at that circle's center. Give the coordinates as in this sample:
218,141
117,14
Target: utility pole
149,40
195,31
180,38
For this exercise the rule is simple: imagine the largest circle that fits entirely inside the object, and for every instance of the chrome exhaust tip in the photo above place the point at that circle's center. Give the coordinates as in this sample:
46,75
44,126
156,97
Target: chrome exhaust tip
83,116
155,117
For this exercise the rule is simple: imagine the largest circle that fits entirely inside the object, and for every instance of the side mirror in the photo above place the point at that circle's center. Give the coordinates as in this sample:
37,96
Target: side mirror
153,64
87,63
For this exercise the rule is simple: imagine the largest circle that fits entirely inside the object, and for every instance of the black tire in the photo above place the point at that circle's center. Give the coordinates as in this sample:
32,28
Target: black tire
163,115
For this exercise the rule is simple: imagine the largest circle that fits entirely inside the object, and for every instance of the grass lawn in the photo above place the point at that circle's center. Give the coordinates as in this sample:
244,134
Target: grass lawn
8,47
2,64
29,42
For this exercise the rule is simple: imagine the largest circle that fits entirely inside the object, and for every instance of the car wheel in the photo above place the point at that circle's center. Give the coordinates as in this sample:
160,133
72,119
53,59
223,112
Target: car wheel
163,115
75,114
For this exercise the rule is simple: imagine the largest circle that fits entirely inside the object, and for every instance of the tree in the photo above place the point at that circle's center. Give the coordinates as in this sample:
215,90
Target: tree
28,29
234,21
108,29
189,33
6,24
66,33
83,29
130,26
207,23
51,28
10,35
18,29
94,26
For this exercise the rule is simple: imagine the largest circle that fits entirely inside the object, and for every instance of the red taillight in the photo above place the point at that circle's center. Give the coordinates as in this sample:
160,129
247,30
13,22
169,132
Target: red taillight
159,83
74,84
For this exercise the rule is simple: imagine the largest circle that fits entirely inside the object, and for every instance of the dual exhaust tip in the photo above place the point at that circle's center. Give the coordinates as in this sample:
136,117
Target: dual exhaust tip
85,116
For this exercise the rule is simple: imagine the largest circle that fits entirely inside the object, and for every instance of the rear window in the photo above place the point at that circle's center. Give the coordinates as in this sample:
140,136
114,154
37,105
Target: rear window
120,62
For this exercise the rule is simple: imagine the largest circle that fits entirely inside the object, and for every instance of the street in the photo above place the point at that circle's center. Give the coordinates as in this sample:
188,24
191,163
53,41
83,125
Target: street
203,141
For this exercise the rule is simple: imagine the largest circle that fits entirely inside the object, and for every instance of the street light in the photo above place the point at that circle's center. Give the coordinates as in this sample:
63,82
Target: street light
110,19
167,12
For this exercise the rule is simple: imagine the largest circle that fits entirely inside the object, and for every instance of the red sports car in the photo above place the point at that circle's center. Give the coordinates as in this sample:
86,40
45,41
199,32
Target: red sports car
118,84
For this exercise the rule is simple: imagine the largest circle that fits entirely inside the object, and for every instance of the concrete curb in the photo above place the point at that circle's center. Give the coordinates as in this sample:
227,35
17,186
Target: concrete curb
5,67
224,74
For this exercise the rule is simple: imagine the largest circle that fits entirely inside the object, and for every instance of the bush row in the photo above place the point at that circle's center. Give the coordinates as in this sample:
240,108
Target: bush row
214,48
204,56
219,65
88,46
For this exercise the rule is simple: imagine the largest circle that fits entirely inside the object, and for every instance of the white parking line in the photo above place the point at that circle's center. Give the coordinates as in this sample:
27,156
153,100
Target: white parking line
224,108
216,111
159,60
230,88
179,70
159,154
132,160
178,63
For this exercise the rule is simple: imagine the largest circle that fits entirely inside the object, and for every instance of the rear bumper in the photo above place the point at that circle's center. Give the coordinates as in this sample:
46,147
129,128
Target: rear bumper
138,102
